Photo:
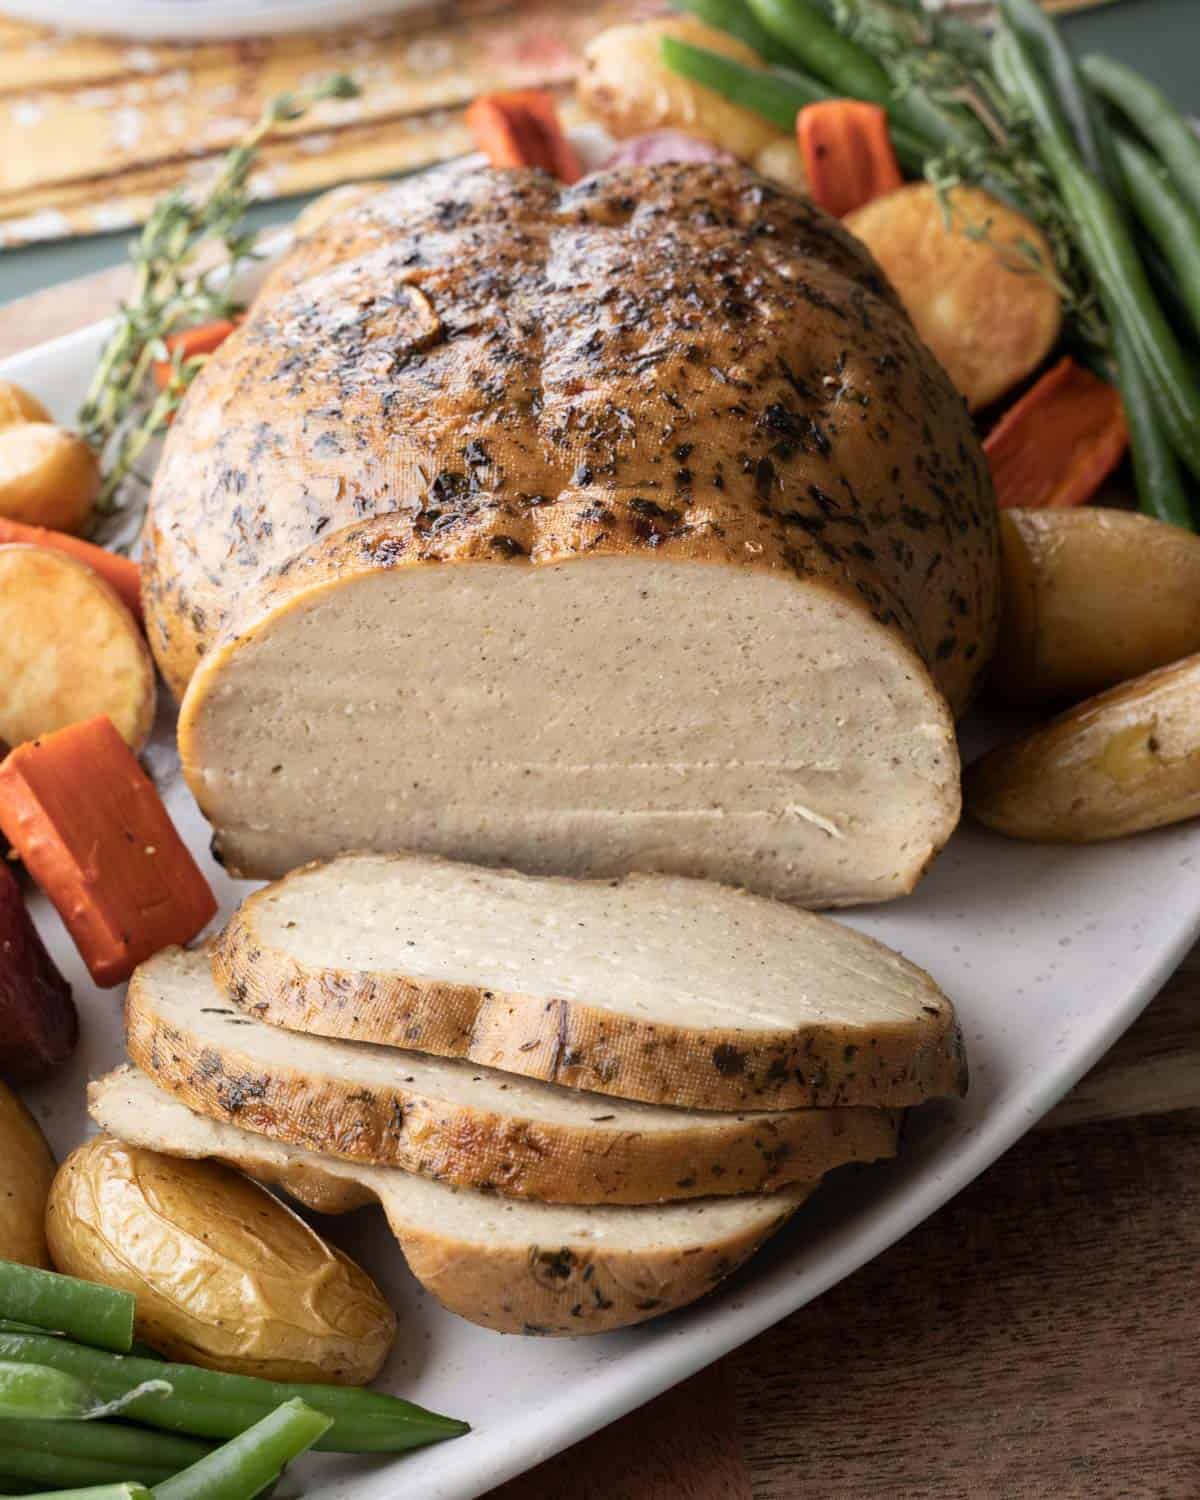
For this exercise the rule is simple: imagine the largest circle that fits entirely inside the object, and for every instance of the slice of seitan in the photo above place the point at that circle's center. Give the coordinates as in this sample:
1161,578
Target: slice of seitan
489,533
658,988
510,1265
460,1123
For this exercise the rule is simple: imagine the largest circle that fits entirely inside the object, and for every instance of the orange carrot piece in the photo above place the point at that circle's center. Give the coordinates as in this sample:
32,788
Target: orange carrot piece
121,574
848,155
202,339
94,834
1059,442
521,129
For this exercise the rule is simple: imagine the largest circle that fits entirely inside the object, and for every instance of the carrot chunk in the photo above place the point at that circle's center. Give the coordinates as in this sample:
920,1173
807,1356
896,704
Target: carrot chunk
848,155
94,834
1059,442
521,129
121,574
202,339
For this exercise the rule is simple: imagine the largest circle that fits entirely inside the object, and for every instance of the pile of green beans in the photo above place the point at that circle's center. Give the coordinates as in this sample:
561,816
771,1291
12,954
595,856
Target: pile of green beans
54,1387
1122,163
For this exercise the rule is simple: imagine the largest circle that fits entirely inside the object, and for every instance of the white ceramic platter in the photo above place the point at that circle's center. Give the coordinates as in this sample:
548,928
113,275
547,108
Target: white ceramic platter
1049,954
192,20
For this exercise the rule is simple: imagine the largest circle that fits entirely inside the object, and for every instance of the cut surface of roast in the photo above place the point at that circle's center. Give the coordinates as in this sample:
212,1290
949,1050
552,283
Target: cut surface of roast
620,526
509,1264
652,987
459,1123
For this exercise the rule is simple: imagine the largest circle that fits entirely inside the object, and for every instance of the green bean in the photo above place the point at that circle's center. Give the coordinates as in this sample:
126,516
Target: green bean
736,19
1160,486
92,1314
243,1466
778,97
208,1403
76,1453
1170,220
1167,130
40,1391
1078,107
127,1491
1017,74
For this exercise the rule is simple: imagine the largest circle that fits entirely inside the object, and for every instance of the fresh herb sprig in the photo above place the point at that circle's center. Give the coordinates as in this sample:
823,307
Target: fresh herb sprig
170,293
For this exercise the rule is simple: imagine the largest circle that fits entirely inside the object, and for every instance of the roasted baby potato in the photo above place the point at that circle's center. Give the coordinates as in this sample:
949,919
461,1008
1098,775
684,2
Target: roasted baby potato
69,649
979,303
781,161
337,200
48,476
18,406
627,87
1120,763
224,1275
1092,597
26,1172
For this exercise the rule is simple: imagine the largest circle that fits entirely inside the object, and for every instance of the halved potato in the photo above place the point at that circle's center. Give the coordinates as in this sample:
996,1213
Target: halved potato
48,476
780,160
627,87
1120,763
69,649
17,406
979,303
1092,597
26,1172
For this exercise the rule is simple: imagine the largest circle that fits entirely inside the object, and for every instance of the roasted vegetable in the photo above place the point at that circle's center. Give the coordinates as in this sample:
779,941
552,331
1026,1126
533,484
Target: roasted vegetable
190,344
1117,764
48,476
629,89
120,573
38,1023
93,832
224,1275
17,406
251,1462
1091,598
1060,442
26,1172
69,649
207,1403
98,1315
978,288
780,161
58,1454
849,160
521,129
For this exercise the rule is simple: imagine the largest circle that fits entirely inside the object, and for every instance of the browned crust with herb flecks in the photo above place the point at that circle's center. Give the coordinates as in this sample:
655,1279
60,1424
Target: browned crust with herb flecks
670,361
223,1069
590,1046
530,1280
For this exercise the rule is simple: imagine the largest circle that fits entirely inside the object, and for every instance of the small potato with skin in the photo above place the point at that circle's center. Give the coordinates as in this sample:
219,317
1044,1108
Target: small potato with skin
225,1276
26,1172
982,307
69,649
48,476
781,162
628,88
1092,597
1120,763
17,406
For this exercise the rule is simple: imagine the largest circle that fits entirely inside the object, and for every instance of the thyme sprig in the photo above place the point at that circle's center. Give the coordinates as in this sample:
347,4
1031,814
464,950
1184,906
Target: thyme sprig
170,293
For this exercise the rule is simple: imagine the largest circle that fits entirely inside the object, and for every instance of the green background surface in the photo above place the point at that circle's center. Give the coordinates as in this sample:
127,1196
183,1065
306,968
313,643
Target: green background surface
1162,37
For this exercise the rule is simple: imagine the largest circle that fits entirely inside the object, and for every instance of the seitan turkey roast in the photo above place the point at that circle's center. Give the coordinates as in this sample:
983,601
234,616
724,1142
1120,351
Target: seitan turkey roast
620,526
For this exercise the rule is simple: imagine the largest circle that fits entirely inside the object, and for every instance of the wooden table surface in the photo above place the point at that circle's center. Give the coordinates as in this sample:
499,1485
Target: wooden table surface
1038,1339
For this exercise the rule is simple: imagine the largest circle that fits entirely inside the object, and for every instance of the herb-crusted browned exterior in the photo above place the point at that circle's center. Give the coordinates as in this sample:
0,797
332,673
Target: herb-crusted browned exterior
649,358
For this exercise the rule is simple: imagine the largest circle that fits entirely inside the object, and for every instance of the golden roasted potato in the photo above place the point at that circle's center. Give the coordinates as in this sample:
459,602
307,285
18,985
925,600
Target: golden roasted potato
26,1172
225,1276
48,476
627,87
1120,763
69,649
17,406
1092,597
337,200
780,160
982,308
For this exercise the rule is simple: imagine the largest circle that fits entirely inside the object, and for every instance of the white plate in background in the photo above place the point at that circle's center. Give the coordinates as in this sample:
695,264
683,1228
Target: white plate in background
193,20
1049,954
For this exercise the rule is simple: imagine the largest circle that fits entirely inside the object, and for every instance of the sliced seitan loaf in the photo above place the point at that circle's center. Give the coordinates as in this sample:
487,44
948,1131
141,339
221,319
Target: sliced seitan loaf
512,1266
658,988
490,533
460,1123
